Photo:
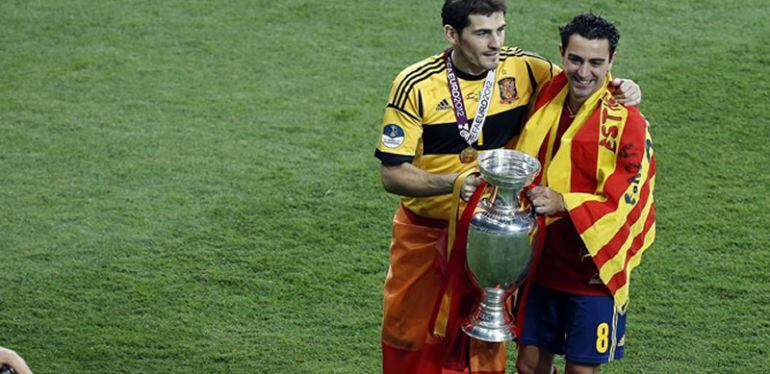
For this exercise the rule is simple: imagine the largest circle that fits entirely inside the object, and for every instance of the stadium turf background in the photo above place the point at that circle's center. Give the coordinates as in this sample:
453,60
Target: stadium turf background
189,186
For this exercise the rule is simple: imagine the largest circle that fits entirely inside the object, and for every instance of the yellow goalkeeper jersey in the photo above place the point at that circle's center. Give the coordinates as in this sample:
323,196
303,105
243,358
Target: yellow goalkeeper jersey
420,127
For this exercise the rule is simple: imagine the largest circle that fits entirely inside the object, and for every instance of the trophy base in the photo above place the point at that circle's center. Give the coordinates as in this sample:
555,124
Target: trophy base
487,334
491,321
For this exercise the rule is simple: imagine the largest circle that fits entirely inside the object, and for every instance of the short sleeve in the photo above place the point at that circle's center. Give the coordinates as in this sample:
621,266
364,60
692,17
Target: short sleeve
401,128
541,70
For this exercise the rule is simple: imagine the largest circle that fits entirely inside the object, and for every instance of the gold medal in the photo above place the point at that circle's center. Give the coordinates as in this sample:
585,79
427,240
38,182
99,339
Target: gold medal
468,155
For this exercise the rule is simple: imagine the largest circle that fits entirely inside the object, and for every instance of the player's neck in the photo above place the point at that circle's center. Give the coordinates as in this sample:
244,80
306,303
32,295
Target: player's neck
461,64
574,104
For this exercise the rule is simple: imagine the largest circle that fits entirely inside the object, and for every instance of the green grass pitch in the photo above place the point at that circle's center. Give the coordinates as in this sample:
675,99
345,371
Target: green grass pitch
190,187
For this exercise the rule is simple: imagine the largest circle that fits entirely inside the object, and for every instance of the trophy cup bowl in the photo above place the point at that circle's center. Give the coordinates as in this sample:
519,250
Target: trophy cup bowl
499,247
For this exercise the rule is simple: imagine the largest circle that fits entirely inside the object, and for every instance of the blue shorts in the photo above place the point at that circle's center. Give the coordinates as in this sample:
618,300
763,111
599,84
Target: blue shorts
585,329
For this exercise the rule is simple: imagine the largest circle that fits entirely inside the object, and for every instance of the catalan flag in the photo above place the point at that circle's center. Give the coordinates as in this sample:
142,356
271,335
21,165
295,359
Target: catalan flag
605,169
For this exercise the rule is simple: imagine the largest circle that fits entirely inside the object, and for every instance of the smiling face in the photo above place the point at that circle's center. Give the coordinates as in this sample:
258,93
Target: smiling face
586,62
477,46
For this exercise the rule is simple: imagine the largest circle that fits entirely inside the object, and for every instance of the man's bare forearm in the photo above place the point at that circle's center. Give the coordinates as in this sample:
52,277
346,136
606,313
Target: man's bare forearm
407,180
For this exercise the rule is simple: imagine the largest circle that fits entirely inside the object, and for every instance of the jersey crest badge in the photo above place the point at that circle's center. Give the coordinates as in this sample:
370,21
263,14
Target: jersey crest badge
508,92
392,136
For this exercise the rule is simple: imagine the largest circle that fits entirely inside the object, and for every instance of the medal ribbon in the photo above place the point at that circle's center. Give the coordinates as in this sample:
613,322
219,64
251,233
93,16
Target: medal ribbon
469,133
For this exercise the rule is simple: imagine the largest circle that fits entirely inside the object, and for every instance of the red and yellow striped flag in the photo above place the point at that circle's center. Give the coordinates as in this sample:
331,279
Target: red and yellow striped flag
605,169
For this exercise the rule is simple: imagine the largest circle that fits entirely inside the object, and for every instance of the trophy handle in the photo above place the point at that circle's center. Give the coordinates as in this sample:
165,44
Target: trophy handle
525,199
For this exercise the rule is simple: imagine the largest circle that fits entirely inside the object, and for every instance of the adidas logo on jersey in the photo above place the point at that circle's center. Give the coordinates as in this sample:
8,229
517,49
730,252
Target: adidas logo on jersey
443,105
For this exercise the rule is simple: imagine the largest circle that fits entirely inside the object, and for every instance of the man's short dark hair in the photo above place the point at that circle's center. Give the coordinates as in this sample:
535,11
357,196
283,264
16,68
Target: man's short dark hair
592,27
455,12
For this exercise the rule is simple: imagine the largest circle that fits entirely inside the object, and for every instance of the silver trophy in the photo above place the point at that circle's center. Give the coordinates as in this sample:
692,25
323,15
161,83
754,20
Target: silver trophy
499,248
